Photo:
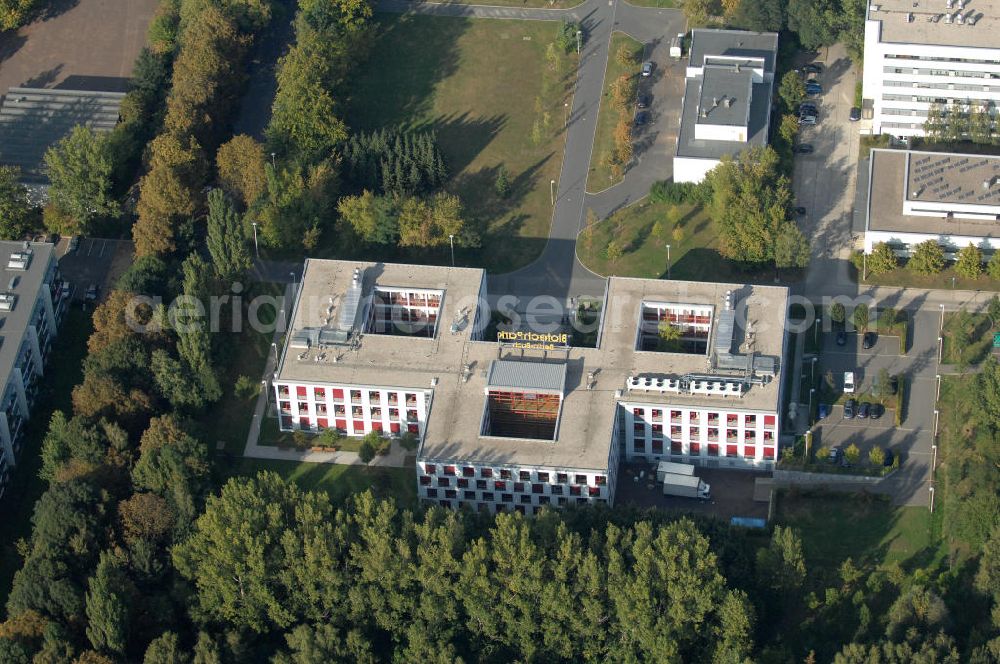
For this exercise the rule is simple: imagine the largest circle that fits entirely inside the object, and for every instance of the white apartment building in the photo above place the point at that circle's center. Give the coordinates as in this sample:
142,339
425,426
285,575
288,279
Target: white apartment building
518,426
727,98
926,52
914,196
31,305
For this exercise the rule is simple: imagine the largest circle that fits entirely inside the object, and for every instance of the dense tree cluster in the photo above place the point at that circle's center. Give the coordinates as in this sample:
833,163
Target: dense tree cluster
211,42
15,210
410,221
390,161
15,13
751,203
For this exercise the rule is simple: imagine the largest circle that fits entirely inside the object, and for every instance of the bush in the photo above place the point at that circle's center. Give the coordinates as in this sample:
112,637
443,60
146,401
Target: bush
900,396
970,262
567,37
668,191
408,441
876,456
330,437
927,258
822,453
837,312
246,388
882,259
366,452
852,454
300,439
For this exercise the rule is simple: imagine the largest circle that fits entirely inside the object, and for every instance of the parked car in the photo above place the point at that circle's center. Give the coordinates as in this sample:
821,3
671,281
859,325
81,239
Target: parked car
807,119
855,114
74,243
799,211
805,148
890,458
813,88
868,341
647,68
836,454
91,293
850,409
643,101
863,409
877,410
841,337
823,412
813,68
641,118
848,382
808,106
893,385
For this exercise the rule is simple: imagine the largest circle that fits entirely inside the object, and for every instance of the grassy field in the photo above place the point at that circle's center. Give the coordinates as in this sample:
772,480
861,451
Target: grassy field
241,354
903,278
63,371
979,333
864,527
337,480
693,252
600,176
481,85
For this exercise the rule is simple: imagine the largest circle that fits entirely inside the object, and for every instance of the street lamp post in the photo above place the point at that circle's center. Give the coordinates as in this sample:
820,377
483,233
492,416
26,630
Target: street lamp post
255,245
451,239
552,191
274,347
272,161
668,261
579,38
814,370
812,390
953,283
565,115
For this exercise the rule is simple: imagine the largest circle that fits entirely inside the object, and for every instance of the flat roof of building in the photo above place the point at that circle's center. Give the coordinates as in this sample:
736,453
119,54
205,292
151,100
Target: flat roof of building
757,120
34,119
733,44
891,183
725,94
26,284
924,22
458,370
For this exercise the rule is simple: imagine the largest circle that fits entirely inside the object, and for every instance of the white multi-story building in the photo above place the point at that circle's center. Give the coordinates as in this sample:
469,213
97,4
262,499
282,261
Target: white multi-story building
913,196
930,52
727,98
32,303
682,371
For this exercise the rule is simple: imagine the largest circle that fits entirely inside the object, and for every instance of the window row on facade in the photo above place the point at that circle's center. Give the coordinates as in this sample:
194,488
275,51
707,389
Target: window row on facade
697,417
492,487
373,397
644,447
469,472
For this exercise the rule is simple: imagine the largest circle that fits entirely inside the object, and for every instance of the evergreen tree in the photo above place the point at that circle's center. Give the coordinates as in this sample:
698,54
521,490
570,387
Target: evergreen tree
926,258
108,608
969,262
225,239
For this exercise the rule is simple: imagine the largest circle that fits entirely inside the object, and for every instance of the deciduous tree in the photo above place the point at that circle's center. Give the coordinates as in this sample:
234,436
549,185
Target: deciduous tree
226,239
882,259
15,211
926,258
240,163
970,262
79,168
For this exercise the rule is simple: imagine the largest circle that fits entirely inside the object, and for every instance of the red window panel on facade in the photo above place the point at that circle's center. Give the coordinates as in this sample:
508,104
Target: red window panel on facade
341,424
768,452
594,491
731,450
637,412
319,394
713,449
638,427
300,391
600,480
413,428
286,422
486,472
468,471
769,420
322,423
444,481
376,426
449,470
695,448
657,413
425,480
675,446
574,490
359,427
500,485
657,446
537,488
581,479
749,452
430,468
338,393
639,445
463,483
394,427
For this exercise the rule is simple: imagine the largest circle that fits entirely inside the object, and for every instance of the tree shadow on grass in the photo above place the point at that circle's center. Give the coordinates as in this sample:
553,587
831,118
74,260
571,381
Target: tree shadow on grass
462,137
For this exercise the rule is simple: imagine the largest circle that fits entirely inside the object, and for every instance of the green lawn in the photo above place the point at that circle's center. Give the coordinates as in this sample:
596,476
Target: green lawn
864,527
337,480
694,256
904,278
600,175
63,371
240,354
481,85
979,333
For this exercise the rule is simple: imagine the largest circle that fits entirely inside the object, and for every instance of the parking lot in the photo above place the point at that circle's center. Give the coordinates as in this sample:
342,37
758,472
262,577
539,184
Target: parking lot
732,492
96,261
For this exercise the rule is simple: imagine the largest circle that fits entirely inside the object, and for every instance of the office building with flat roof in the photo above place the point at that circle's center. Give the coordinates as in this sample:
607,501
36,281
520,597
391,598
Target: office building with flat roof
32,303
913,196
727,98
918,54
515,419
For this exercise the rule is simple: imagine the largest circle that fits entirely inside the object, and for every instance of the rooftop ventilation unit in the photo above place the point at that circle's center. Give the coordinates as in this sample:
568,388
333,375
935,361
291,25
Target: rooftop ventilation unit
959,18
19,260
728,101
949,3
947,17
909,17
7,301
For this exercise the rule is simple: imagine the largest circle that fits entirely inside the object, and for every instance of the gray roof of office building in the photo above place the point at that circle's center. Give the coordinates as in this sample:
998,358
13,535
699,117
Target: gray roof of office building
34,119
733,43
689,146
720,84
521,375
14,323
978,29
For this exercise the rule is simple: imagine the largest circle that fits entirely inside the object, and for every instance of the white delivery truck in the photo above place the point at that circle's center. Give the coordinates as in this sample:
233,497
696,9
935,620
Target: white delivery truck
670,468
686,486
677,46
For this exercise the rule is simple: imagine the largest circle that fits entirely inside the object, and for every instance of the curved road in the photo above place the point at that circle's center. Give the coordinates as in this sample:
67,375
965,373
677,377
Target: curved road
557,272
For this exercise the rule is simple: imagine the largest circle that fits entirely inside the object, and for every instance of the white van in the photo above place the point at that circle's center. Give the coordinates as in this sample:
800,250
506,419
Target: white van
848,382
